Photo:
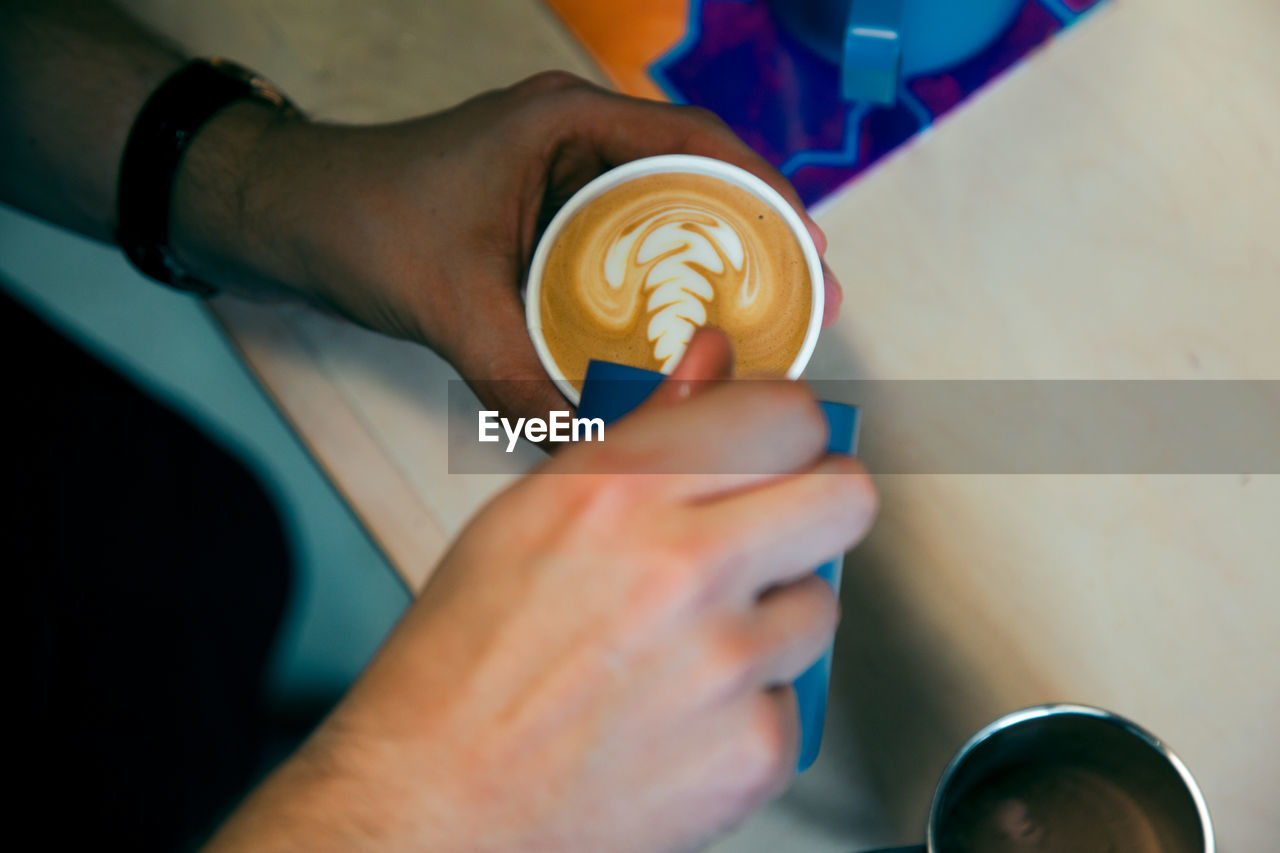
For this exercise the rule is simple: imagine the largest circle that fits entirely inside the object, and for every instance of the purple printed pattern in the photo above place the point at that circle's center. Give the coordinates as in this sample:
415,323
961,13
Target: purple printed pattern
784,100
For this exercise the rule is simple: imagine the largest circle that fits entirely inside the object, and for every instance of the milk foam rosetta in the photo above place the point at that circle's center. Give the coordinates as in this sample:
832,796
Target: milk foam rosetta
640,268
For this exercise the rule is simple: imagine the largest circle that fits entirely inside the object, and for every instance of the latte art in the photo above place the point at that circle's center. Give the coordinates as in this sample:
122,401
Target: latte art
642,267
672,262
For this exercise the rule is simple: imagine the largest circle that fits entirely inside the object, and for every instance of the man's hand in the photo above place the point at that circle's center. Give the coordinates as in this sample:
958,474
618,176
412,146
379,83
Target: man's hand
602,661
425,229
422,229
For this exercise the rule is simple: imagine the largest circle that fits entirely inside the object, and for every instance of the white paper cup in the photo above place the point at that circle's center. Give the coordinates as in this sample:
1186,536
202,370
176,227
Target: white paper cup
664,164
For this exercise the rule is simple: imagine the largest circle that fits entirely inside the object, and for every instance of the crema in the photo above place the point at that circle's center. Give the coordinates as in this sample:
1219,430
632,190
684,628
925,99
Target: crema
640,268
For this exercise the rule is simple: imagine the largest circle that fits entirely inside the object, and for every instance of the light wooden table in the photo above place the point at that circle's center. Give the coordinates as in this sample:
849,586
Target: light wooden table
1109,210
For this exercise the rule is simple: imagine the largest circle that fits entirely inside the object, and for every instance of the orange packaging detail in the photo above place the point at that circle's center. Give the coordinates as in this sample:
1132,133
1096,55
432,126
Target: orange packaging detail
625,36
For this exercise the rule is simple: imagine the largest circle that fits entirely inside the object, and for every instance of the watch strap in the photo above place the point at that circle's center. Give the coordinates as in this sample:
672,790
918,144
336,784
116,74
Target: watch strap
158,140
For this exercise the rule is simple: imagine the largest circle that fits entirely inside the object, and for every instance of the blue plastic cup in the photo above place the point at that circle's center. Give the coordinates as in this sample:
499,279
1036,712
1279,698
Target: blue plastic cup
610,391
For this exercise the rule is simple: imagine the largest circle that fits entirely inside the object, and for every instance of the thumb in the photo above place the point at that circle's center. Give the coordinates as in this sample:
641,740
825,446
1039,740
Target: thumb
707,361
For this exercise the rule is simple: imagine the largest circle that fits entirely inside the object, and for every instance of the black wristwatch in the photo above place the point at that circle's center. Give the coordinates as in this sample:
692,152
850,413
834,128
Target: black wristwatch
159,139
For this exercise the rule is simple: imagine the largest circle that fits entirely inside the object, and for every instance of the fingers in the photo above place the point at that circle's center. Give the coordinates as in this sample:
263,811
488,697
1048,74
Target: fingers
818,235
503,368
779,531
710,435
532,397
726,437
773,734
623,128
744,757
707,135
523,391
707,360
770,646
833,293
620,128
794,625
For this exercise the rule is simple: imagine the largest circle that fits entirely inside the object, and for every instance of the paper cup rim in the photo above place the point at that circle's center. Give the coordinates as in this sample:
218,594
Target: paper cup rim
677,164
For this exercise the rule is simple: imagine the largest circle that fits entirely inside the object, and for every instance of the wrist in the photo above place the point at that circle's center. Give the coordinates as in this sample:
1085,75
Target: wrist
228,225
327,795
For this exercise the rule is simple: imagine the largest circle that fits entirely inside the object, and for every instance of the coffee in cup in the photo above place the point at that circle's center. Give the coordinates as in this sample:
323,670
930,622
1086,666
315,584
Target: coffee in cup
646,254
1059,806
1066,779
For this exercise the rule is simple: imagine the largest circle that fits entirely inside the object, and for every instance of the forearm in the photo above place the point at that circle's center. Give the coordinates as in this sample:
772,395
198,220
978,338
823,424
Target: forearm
299,807
340,791
75,75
